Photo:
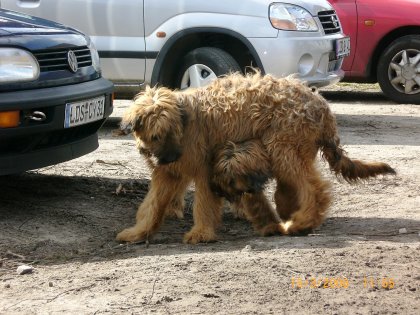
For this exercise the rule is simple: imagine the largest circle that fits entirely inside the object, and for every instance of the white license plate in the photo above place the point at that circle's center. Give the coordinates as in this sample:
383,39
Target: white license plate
84,112
342,47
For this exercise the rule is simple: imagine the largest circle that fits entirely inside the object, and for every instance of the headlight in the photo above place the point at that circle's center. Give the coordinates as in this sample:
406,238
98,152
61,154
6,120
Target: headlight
291,17
17,65
95,56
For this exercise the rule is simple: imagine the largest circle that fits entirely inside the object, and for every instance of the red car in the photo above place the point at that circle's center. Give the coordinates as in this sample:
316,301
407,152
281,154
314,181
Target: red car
385,45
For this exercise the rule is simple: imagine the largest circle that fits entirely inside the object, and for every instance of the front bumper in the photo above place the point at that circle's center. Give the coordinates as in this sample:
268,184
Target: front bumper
38,144
311,59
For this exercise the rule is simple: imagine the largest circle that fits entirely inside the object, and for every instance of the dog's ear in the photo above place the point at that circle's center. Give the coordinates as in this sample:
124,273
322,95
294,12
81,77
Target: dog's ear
184,115
138,124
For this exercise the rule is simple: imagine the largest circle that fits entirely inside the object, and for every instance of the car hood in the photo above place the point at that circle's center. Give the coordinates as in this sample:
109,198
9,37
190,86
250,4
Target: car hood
313,6
14,23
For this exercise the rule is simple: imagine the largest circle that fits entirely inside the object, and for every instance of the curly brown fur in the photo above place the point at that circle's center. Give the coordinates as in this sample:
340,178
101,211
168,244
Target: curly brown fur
239,168
181,129
239,173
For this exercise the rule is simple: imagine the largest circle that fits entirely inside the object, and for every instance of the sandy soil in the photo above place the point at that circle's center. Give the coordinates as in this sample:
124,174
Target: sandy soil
62,221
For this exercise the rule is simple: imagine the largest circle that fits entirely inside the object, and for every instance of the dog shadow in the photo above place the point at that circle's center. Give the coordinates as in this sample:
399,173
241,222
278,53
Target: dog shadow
53,219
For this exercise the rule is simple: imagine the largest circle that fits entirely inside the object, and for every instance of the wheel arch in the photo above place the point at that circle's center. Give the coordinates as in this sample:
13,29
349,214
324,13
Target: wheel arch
186,40
385,42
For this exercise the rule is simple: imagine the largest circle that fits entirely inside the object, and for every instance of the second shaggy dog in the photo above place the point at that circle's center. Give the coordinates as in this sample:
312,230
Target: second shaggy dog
239,168
239,172
179,131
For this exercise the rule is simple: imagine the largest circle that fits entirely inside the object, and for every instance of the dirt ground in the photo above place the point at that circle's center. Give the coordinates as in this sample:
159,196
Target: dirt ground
365,258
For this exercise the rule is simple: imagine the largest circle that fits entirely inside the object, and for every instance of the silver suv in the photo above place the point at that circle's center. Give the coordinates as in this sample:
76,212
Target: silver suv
189,42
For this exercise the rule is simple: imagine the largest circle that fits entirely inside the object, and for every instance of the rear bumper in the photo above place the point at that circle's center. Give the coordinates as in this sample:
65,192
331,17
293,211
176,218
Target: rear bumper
38,144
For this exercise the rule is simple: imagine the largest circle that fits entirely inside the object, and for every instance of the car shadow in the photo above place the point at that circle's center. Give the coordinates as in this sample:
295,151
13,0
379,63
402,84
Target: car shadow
356,96
378,129
52,219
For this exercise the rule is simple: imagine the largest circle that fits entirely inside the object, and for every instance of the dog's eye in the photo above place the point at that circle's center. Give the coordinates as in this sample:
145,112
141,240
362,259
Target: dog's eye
155,138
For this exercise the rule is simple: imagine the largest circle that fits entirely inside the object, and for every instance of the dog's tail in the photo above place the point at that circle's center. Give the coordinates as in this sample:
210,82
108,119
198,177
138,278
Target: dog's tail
351,170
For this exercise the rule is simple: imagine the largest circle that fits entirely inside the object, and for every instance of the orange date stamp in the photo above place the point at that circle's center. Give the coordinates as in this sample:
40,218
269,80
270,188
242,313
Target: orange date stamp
341,283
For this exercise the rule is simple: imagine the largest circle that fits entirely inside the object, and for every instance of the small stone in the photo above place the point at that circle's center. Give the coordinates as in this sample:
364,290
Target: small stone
7,286
247,248
402,231
50,284
24,269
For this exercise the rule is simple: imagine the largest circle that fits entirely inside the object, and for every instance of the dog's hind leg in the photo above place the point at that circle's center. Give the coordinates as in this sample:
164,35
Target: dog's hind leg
313,198
286,199
207,212
288,171
152,210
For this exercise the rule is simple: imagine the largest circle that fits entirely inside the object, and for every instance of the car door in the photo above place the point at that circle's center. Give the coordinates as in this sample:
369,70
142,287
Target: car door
115,26
347,13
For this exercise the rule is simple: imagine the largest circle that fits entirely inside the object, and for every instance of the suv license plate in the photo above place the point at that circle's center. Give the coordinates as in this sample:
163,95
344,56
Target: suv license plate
84,112
342,47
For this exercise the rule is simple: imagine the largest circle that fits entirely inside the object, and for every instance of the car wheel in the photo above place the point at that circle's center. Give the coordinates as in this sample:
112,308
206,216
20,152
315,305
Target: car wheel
399,70
202,65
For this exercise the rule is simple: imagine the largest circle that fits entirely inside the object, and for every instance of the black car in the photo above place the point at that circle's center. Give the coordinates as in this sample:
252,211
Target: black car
53,99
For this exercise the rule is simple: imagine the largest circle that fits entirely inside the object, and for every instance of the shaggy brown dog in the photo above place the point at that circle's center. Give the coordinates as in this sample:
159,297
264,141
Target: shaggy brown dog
239,172
238,168
182,129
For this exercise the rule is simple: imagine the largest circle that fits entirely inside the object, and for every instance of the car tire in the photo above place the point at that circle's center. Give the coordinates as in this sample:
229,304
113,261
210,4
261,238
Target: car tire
397,71
202,65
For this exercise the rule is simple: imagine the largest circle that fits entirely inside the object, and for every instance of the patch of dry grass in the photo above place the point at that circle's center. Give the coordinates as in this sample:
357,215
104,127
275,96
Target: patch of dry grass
353,87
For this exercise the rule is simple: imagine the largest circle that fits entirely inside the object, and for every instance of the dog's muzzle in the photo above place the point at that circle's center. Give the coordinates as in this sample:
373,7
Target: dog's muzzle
169,152
126,128
169,157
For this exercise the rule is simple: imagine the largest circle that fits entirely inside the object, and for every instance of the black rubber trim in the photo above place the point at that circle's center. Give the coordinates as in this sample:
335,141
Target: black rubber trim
163,52
37,159
128,54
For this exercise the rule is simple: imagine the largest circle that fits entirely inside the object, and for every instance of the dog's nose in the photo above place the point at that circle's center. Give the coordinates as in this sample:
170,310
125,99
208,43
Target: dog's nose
126,128
169,158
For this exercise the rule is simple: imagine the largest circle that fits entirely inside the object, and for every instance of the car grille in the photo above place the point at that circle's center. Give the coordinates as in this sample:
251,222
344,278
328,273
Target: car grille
54,60
329,21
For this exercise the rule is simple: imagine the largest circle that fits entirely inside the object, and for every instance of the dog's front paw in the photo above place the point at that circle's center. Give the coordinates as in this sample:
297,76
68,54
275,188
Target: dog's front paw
131,235
199,236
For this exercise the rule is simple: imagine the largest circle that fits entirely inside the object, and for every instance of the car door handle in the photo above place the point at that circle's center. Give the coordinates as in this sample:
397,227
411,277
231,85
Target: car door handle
28,3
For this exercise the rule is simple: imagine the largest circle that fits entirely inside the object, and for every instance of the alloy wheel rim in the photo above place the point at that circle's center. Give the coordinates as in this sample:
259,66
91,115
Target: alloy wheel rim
404,71
197,75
